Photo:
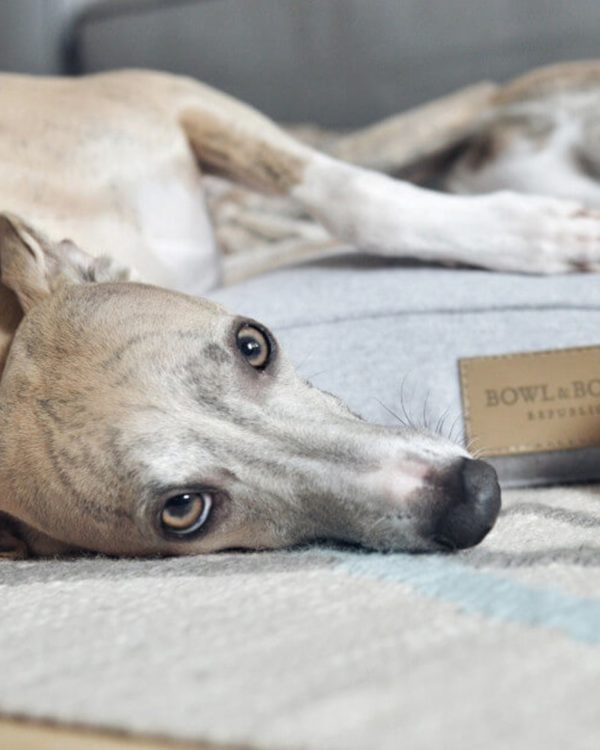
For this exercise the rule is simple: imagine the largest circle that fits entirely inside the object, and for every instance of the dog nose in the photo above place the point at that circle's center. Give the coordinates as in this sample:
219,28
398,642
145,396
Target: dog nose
473,509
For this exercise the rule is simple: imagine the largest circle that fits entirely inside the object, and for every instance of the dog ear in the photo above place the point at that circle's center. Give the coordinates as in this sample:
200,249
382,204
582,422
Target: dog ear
12,545
33,266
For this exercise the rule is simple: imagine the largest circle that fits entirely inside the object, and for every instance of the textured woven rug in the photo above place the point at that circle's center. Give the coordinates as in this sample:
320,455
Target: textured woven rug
321,647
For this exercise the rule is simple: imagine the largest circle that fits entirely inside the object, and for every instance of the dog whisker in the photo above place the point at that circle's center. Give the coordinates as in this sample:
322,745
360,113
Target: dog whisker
473,450
407,416
425,415
393,413
454,425
316,374
304,360
439,425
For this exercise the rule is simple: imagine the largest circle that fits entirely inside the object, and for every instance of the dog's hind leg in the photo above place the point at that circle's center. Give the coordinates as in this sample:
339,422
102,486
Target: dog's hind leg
418,135
503,231
549,148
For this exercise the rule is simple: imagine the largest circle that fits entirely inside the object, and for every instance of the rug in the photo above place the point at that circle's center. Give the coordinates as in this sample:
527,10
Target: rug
324,648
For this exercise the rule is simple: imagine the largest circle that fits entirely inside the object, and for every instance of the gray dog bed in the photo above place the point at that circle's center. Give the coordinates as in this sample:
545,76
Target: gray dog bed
387,338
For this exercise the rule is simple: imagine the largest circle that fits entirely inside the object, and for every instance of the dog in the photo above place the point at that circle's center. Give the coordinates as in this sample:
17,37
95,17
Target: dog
139,419
537,135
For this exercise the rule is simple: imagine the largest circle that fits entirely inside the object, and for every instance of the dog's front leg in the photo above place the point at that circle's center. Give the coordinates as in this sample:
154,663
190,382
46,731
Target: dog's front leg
500,231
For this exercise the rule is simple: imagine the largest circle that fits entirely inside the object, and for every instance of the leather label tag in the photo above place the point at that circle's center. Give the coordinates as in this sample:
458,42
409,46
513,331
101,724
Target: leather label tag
531,402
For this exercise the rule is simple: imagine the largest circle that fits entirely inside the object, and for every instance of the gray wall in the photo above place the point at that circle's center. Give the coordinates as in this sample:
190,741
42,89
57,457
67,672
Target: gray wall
337,62
347,62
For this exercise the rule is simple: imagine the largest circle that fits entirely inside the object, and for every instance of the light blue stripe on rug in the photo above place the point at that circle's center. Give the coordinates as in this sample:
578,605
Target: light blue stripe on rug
475,592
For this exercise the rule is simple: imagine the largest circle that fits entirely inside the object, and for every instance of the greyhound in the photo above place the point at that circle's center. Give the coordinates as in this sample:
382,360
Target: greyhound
139,419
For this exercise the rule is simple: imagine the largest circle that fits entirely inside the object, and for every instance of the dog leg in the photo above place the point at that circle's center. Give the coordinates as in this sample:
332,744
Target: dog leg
501,231
421,133
532,171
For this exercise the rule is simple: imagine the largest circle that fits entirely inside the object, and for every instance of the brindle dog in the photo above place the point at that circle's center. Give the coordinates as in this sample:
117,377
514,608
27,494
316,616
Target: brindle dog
141,421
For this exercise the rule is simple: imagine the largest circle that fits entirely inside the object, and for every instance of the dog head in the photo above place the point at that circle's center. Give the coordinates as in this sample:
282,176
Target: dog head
139,421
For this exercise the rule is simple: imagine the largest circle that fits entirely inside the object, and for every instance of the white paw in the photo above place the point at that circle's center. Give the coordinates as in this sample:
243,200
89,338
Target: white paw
532,234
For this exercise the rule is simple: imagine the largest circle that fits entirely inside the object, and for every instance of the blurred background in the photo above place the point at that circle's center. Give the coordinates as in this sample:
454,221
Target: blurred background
337,63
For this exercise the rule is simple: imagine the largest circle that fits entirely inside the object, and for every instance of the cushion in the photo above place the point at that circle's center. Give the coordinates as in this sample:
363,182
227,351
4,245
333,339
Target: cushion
387,337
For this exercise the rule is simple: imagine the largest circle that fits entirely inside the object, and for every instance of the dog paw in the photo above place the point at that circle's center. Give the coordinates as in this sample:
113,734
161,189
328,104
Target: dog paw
543,235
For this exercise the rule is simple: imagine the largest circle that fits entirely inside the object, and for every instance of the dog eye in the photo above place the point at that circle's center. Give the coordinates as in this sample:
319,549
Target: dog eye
184,514
254,346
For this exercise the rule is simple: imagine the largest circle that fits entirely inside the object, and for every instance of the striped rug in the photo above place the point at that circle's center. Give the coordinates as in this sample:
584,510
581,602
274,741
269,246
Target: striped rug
325,648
